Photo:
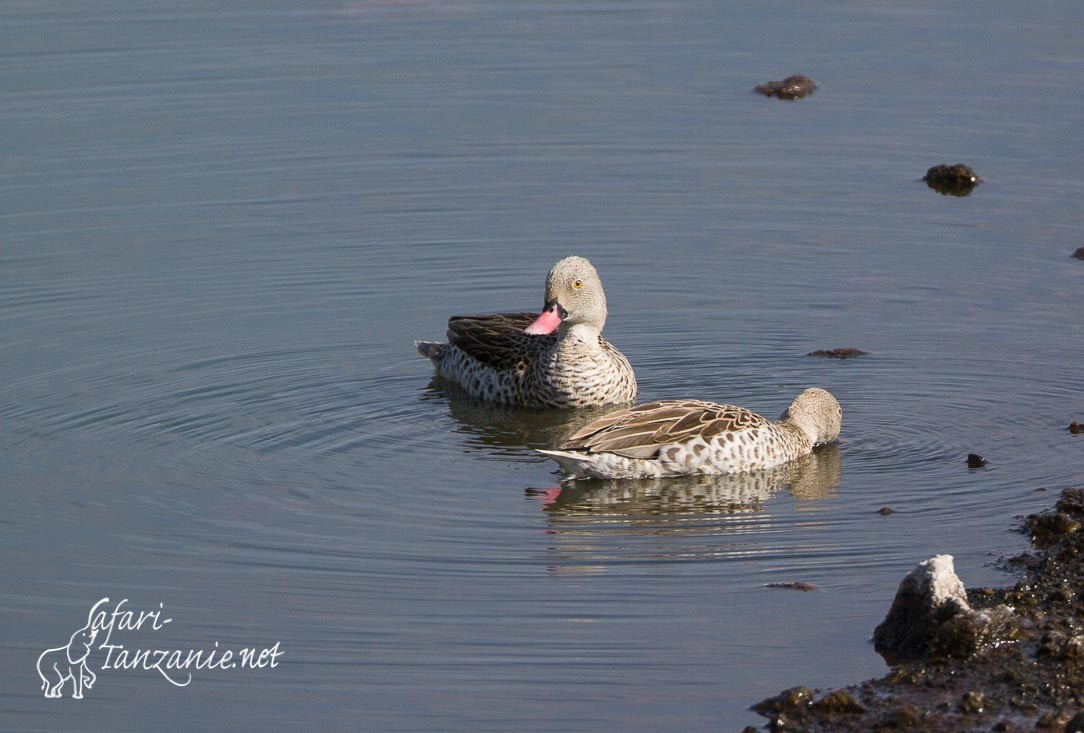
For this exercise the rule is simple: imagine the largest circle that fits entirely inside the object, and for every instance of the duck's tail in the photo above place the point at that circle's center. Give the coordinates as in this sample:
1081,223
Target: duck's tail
431,350
575,465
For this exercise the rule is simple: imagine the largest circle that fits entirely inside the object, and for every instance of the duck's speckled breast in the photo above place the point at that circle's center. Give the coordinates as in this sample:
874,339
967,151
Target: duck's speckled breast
576,374
563,374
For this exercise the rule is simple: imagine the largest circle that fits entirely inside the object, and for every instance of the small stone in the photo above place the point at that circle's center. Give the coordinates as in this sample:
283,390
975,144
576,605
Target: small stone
951,180
1046,720
966,633
839,702
1022,703
1025,560
973,702
1073,648
885,511
903,718
794,86
1004,726
1051,644
841,353
1071,501
793,585
1075,427
1052,719
1046,529
792,702
974,460
1079,254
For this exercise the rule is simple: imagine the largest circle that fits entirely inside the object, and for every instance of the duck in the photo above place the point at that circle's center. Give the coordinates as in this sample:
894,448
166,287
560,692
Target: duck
553,359
694,437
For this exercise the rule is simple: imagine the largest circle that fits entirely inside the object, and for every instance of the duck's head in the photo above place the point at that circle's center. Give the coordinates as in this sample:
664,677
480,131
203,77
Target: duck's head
817,414
574,296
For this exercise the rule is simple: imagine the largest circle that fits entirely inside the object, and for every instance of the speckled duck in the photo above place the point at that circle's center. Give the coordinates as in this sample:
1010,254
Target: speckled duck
556,359
688,437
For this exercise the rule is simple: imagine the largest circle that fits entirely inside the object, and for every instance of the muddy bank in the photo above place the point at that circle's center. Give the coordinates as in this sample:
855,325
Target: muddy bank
1030,678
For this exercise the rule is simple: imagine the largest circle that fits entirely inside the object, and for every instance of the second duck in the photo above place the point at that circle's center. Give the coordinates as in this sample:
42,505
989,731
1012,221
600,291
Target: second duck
686,437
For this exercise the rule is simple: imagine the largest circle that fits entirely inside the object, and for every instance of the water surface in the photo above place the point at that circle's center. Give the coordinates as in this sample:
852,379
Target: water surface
223,225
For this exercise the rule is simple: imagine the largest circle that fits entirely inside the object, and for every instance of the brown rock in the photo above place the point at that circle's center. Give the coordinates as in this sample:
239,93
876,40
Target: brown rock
794,86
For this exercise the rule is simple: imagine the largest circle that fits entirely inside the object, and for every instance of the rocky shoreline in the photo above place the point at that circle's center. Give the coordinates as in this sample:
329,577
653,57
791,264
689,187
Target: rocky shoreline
1006,659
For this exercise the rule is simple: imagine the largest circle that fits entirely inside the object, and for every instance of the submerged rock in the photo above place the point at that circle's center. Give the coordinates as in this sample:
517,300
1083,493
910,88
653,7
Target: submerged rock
839,702
787,709
974,460
1076,428
1047,528
1079,253
973,702
843,353
951,180
793,585
794,86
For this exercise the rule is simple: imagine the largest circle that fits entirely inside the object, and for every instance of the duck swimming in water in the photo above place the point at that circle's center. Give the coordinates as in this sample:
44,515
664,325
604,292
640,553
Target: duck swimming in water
555,359
688,437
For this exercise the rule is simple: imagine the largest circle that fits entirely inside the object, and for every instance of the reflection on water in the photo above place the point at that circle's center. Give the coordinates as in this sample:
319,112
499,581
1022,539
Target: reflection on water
808,478
594,524
505,431
221,229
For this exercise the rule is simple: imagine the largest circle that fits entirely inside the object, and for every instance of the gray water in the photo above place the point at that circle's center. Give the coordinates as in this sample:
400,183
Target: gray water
222,224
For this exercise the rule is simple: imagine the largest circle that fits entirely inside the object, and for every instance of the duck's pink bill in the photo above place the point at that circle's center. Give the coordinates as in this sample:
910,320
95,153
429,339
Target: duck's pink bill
545,323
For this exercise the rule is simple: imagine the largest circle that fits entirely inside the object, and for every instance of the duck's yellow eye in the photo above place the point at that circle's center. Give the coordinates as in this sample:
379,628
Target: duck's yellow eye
578,284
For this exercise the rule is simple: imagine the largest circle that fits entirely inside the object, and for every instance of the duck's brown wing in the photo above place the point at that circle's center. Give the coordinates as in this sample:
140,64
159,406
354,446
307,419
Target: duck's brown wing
639,432
498,340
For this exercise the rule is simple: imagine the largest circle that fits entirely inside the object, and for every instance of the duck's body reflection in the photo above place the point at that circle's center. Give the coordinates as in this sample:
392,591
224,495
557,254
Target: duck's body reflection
811,477
596,525
504,431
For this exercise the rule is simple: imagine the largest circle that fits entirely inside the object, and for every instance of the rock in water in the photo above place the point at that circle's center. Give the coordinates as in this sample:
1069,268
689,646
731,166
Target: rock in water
931,616
928,596
794,86
951,180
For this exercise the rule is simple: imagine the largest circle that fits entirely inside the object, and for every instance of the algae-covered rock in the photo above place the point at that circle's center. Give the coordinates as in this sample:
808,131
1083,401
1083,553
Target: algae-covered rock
951,180
839,702
794,86
847,352
1047,528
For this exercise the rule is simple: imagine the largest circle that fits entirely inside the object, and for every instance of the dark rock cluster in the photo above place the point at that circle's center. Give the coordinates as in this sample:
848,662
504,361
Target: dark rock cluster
1009,659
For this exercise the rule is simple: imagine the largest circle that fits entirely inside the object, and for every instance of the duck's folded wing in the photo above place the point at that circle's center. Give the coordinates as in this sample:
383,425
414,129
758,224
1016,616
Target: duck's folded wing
640,432
496,340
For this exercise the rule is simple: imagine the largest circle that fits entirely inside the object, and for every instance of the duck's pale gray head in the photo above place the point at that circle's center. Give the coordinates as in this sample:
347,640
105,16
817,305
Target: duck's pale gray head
816,413
574,296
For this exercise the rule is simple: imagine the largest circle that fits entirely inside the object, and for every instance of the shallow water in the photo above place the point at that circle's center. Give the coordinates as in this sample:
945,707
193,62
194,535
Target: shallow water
222,229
